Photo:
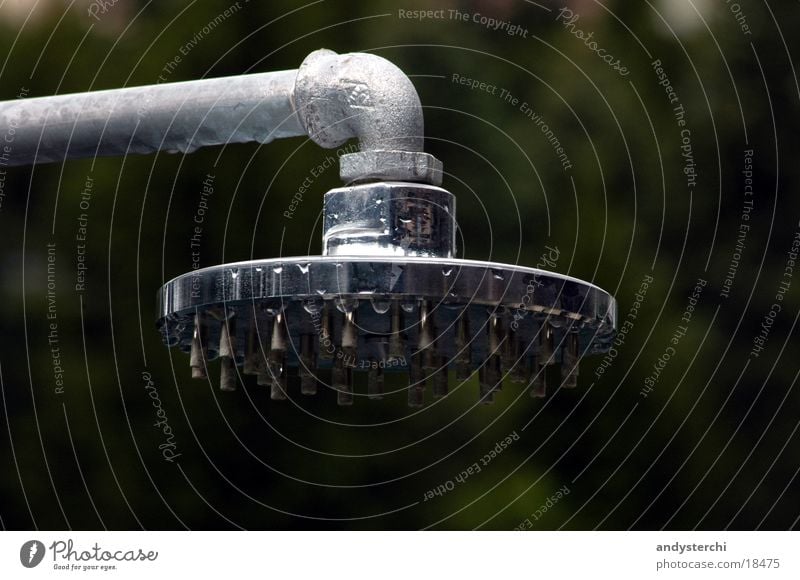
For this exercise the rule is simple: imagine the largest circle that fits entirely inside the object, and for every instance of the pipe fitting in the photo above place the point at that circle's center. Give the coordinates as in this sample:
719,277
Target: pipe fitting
413,166
358,95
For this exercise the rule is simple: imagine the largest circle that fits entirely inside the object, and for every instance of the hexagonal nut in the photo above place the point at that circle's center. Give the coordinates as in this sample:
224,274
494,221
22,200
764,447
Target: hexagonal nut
414,166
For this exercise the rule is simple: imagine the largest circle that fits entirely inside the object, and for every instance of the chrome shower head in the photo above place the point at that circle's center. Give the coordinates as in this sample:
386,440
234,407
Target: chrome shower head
387,295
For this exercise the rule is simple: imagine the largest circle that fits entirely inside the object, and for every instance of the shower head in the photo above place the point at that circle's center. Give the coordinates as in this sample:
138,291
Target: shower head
387,295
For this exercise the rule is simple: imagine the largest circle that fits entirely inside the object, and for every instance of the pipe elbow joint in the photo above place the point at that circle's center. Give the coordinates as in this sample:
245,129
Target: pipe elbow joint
358,95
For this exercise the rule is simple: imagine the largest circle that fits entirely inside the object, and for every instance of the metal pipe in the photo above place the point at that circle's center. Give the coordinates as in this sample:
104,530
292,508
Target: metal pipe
359,95
174,117
331,98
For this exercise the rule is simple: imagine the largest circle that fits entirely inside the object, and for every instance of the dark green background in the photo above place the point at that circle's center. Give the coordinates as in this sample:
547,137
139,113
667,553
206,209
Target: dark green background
714,445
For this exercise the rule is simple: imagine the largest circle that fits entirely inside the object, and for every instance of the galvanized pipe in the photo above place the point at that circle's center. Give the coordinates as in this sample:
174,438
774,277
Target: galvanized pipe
331,98
174,117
